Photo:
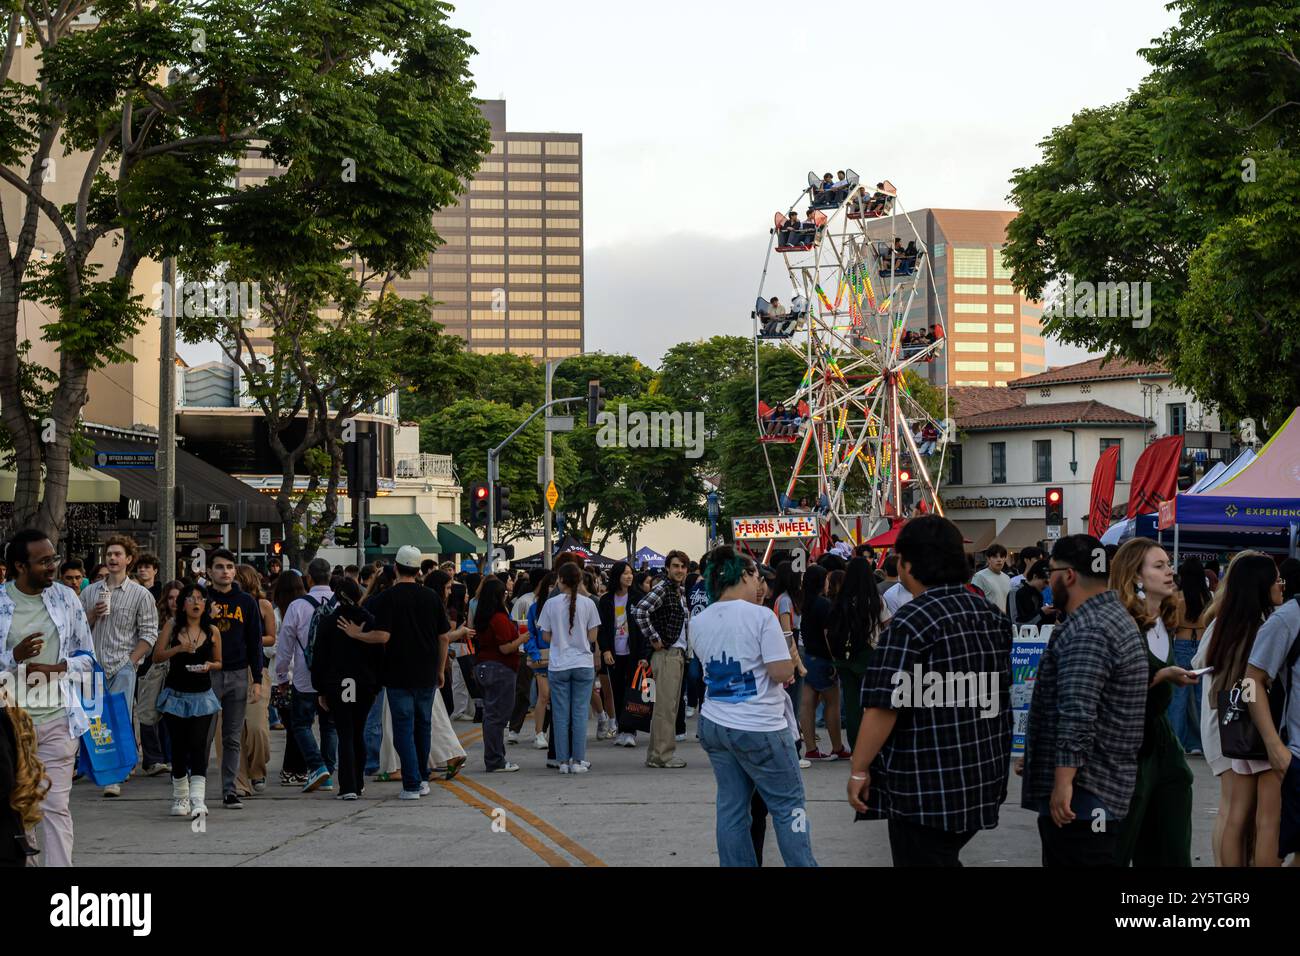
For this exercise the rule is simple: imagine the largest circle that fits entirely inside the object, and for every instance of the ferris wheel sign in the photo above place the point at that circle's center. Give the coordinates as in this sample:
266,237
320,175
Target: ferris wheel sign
780,526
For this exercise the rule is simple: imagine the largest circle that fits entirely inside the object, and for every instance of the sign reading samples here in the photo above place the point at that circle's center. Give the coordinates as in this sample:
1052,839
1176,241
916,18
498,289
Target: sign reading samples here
779,526
970,504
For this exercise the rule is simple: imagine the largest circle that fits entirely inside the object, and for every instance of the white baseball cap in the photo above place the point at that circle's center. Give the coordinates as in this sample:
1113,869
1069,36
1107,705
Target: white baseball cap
408,556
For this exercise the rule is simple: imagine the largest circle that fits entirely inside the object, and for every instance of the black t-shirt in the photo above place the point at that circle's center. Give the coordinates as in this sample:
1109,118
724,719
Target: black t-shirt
812,628
414,617
338,658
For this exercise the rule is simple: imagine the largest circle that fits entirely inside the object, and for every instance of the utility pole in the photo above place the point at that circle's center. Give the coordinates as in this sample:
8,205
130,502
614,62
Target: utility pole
165,459
548,475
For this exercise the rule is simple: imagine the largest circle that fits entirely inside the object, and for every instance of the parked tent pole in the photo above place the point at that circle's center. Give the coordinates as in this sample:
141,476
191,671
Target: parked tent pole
1175,545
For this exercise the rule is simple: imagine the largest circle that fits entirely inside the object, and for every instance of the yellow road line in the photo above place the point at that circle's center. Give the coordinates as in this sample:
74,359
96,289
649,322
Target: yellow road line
471,737
556,837
527,839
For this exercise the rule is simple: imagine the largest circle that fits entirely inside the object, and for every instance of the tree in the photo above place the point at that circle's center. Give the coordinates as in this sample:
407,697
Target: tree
468,428
622,376
1190,184
513,380
623,482
352,211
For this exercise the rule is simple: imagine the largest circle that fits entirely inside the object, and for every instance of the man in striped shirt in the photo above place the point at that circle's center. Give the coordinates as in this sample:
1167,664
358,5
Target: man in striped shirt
123,622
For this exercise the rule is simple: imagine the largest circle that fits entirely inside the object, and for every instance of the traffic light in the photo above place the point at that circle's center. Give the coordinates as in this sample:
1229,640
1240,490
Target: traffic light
1054,499
595,400
1186,474
502,513
379,534
274,549
478,505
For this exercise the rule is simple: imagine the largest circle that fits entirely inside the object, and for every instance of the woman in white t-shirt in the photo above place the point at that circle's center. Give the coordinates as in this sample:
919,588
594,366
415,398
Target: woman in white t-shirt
744,726
570,624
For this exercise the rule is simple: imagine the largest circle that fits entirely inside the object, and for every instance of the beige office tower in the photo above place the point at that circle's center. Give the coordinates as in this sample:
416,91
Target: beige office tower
509,276
994,333
122,395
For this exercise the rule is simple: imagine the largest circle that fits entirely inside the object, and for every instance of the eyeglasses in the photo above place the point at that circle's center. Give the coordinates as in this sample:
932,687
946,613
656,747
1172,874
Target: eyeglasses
196,598
46,562
1051,571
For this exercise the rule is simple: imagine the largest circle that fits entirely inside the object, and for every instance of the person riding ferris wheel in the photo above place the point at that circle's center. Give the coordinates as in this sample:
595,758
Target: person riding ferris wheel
865,318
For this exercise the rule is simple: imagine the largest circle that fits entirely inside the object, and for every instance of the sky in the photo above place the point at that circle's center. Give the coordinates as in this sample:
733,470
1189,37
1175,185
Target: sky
696,128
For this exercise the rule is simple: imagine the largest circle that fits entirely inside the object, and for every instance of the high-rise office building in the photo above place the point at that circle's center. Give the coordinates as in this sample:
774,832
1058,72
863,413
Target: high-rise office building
994,333
509,277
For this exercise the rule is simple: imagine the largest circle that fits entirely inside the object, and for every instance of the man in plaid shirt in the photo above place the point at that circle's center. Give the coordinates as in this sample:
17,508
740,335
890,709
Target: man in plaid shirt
933,759
663,617
1086,715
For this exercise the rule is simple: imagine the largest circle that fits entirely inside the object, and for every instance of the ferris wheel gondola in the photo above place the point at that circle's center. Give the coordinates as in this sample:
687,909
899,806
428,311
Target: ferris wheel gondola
867,451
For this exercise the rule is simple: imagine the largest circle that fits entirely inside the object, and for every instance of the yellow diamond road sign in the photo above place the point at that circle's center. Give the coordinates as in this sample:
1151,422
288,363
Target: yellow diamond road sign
552,495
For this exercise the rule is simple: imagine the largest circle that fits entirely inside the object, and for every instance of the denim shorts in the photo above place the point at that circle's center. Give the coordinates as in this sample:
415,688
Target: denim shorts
821,673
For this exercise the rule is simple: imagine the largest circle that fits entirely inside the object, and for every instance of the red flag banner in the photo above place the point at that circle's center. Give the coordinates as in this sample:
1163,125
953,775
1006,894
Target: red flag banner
1103,491
1155,476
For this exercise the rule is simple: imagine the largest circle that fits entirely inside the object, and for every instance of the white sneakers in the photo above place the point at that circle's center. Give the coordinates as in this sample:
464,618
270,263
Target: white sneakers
198,794
424,788
690,711
540,742
680,737
511,736
625,740
602,724
180,797
508,768
576,766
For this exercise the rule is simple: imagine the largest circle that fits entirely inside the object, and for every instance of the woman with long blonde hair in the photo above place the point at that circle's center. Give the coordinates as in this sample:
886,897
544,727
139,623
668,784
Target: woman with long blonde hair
1158,828
23,784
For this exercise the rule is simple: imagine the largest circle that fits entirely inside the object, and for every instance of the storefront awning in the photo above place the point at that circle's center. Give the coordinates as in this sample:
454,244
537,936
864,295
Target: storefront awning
403,530
84,487
1022,533
978,531
457,539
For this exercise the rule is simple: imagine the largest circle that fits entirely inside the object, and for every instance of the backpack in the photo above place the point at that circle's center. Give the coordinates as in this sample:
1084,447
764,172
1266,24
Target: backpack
320,610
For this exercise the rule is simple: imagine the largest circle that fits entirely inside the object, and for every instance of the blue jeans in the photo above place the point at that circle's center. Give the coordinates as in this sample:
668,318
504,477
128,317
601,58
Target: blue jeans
305,712
374,734
570,701
1185,707
412,712
744,761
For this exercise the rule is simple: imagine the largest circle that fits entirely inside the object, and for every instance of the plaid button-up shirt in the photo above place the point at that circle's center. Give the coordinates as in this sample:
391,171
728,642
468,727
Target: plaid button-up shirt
662,615
132,618
1089,706
945,763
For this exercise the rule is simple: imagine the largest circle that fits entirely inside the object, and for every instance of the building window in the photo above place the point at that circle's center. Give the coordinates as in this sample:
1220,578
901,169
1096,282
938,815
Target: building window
553,333
972,328
563,260
1177,419
563,242
970,264
487,278
970,288
561,169
485,204
954,456
563,205
488,240
532,205
562,223
1003,290
525,259
1004,367
525,278
563,296
561,149
564,279
998,452
521,222
525,296
1043,460
1004,308
971,367
563,187
563,315
525,186
516,168
1004,328
971,308
971,346
940,250
1000,268
487,186
483,222
525,148
519,240
525,333
1119,461
487,259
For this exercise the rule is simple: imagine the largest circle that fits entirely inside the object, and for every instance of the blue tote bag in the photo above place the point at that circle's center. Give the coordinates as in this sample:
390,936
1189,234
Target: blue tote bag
108,749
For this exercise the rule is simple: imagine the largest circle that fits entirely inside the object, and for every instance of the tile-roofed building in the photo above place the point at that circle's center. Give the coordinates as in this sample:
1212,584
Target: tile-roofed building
1055,413
1093,370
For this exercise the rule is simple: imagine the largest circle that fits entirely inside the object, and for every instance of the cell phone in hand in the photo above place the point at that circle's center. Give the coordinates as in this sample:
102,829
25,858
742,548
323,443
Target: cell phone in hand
195,668
1202,671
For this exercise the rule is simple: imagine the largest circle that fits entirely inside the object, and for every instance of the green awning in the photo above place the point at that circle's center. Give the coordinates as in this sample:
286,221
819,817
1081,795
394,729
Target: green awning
403,530
457,539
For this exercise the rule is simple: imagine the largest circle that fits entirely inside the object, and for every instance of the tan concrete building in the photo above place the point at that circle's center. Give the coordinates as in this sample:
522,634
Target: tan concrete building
125,395
509,277
994,334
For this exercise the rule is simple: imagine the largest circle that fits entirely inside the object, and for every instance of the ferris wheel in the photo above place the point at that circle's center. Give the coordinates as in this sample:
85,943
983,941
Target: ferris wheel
867,453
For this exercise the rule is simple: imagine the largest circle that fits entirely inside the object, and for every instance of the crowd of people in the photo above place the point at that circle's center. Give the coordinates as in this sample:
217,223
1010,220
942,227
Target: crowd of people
899,665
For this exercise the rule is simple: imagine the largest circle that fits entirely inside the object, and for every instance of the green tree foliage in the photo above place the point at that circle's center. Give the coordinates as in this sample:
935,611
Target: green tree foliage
1190,184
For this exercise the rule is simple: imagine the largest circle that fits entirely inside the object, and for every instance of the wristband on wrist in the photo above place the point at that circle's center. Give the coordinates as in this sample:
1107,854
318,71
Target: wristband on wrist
854,776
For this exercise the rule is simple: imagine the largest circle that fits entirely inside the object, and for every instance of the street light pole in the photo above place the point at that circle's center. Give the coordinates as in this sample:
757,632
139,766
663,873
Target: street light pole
165,459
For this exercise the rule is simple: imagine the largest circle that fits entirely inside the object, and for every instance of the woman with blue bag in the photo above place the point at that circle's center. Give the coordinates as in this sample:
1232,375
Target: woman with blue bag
190,644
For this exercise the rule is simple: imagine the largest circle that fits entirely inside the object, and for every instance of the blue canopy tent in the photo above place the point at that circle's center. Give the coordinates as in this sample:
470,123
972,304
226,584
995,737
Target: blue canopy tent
647,557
